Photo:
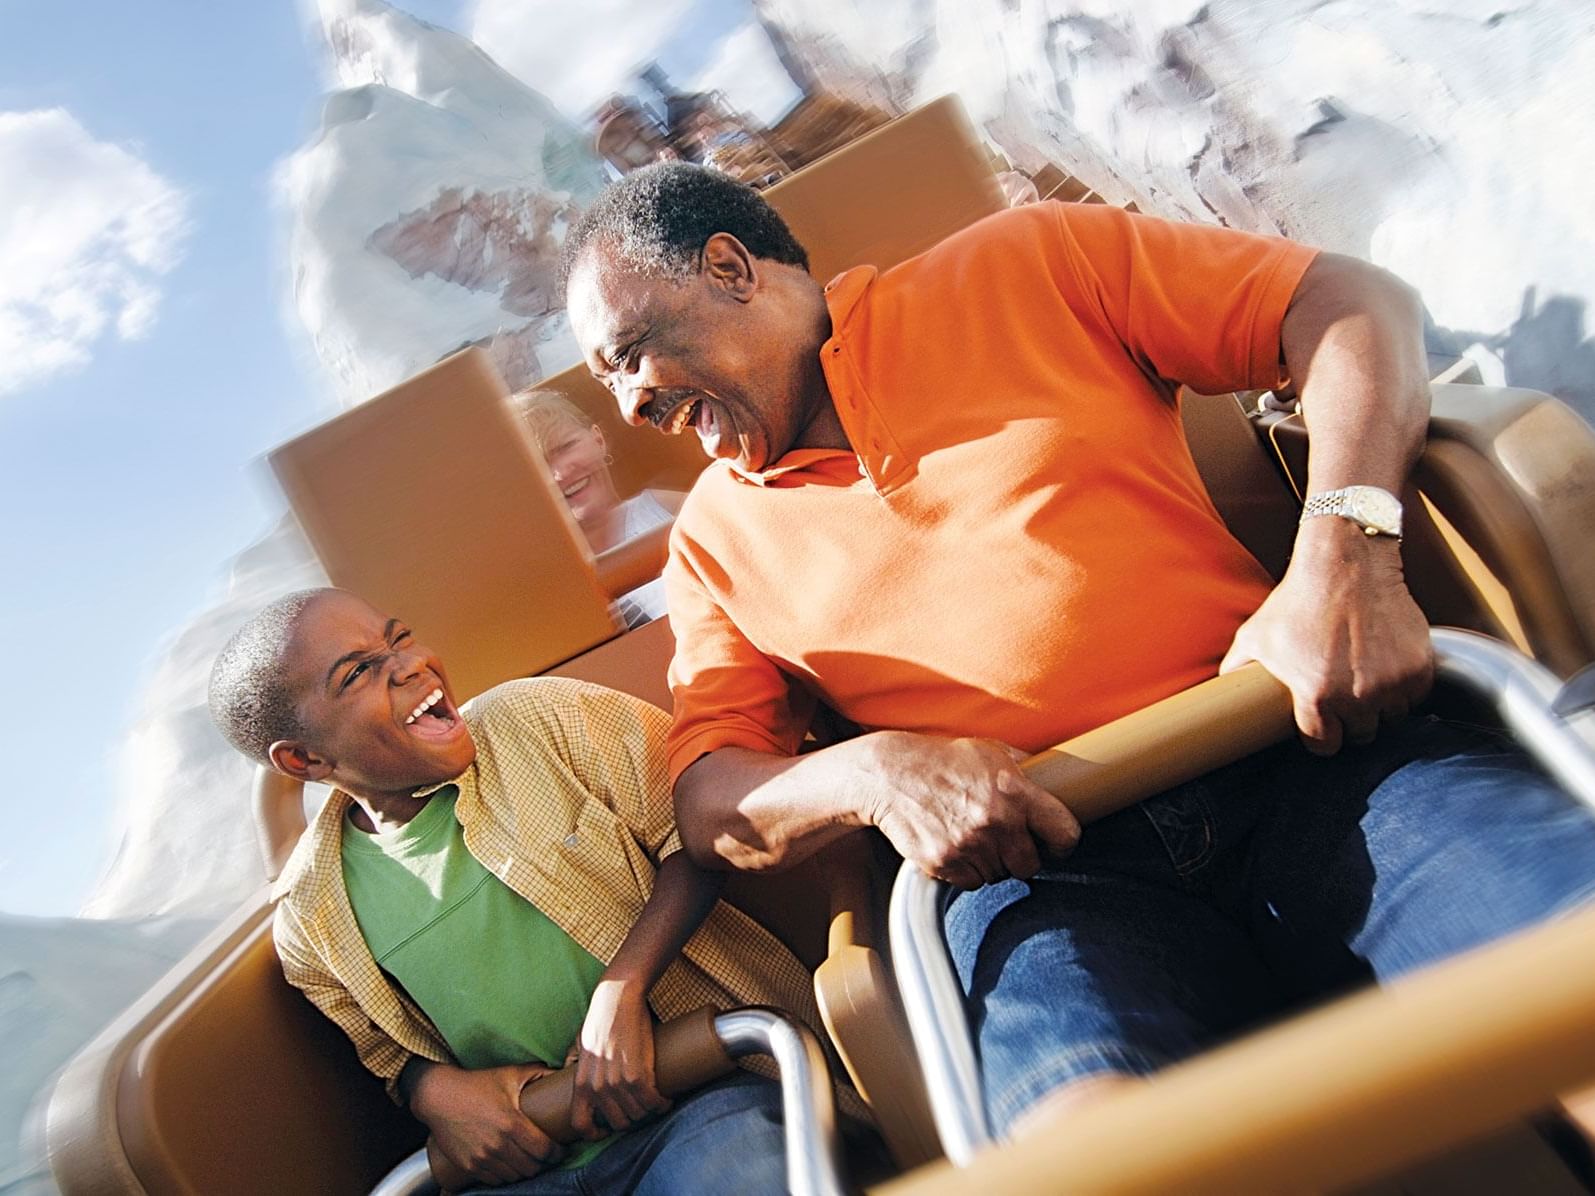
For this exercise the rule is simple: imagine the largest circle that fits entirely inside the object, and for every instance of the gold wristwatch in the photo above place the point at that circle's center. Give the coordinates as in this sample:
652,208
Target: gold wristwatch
1376,511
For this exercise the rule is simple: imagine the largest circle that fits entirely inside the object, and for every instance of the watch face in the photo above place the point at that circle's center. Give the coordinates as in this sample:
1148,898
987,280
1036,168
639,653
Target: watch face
1375,508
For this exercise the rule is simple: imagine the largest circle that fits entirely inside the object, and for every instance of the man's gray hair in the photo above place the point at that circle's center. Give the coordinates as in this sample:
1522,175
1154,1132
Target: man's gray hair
657,220
250,700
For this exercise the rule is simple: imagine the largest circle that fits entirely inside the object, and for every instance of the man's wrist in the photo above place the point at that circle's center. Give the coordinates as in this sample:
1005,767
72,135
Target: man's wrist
1330,534
884,751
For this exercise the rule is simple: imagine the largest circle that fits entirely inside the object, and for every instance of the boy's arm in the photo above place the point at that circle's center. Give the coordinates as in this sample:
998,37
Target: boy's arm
615,1061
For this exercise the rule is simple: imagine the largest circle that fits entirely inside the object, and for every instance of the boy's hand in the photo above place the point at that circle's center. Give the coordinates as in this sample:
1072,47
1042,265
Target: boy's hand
615,1063
476,1120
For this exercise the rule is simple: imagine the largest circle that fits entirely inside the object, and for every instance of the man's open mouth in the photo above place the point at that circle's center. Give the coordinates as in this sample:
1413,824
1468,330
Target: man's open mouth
434,717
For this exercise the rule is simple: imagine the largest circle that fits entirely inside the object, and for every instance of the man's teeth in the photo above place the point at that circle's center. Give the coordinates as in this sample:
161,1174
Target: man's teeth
431,700
680,416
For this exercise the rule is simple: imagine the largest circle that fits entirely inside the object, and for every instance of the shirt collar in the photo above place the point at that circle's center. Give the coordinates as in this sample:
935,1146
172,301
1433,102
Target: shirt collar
325,832
790,462
843,295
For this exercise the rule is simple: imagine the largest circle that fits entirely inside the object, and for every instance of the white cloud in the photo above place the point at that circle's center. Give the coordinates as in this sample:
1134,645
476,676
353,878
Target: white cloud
577,55
86,231
746,69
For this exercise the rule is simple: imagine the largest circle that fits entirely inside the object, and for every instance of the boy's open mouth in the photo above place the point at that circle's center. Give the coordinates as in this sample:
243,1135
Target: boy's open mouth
434,717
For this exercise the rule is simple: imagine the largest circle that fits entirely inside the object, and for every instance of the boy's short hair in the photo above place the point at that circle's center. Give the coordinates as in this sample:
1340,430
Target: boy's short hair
547,413
250,701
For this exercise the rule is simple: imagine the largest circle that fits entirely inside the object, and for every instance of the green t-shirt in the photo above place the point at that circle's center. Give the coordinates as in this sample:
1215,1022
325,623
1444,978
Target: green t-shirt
500,981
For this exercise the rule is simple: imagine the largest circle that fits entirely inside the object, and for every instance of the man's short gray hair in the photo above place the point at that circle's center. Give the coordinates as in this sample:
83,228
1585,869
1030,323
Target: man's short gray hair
657,220
249,696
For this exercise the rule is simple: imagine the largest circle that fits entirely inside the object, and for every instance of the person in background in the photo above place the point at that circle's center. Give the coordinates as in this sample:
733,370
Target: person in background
577,456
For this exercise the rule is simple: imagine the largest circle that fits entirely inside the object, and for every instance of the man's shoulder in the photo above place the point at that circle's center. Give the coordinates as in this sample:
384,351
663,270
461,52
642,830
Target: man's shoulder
1028,222
714,483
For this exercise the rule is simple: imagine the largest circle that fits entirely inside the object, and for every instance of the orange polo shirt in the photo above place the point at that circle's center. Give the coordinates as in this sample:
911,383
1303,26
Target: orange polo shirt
1018,545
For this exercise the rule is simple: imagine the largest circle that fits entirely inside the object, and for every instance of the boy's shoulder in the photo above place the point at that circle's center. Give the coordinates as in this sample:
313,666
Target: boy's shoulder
551,705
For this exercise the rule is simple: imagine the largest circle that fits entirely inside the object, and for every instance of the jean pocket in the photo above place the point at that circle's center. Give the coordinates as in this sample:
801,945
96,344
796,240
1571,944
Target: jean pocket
1184,826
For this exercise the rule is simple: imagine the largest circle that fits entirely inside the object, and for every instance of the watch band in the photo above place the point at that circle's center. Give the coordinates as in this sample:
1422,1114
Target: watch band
1376,511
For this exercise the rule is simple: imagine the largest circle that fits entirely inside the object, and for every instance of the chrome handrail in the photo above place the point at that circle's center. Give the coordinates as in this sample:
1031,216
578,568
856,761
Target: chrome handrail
413,1177
1523,693
813,1159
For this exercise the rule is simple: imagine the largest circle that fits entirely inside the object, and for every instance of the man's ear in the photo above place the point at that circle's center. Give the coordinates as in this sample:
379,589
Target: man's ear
728,264
294,759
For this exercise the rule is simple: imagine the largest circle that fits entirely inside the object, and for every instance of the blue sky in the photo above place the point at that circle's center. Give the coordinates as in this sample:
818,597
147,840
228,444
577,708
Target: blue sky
132,478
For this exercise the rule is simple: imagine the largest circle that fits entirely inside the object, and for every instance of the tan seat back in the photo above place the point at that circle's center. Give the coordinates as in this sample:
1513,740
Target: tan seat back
431,499
223,1079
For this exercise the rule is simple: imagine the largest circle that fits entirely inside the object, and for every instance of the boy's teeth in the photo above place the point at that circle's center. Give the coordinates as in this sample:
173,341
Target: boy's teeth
430,701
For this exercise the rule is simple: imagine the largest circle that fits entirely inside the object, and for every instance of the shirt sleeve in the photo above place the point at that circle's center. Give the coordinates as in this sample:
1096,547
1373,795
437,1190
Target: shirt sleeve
1196,305
304,968
726,693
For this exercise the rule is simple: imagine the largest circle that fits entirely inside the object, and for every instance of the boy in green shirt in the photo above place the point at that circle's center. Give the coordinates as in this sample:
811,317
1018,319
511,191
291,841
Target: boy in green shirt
493,890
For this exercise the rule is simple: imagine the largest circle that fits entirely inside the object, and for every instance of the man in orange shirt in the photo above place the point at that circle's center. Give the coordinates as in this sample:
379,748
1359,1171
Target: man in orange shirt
952,502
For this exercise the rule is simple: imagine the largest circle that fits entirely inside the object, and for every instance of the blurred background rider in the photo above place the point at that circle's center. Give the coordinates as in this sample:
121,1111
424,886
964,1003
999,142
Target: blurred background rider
578,457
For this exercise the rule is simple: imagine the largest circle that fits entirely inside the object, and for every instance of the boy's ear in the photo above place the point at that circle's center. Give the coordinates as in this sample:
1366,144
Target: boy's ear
294,759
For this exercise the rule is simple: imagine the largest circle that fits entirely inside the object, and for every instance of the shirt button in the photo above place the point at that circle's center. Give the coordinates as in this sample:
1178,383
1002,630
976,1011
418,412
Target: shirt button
572,840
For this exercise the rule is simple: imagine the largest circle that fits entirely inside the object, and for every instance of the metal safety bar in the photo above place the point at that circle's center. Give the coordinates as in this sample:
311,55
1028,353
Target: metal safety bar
813,1159
1522,691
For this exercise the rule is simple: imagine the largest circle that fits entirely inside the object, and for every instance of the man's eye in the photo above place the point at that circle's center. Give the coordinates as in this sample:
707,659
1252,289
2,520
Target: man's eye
350,676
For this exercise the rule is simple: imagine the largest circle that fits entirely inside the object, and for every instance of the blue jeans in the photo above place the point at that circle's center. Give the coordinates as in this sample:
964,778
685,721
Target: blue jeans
1261,886
723,1140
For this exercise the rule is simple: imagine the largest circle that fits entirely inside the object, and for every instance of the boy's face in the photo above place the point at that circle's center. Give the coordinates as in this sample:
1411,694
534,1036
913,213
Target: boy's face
360,679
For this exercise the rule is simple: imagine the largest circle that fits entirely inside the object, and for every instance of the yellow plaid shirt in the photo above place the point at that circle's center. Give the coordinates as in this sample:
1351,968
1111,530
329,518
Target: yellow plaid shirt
568,803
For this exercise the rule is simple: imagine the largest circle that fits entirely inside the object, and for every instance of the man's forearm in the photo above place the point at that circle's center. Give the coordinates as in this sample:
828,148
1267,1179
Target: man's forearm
751,811
1341,630
1353,344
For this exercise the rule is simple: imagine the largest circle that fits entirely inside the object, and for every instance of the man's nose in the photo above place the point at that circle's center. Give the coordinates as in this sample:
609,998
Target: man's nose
630,399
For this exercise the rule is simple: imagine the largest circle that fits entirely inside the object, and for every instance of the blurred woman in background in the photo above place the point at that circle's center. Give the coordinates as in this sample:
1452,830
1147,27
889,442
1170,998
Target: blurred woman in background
577,456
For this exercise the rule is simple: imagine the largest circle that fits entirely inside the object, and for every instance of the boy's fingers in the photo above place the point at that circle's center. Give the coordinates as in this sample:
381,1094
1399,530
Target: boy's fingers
538,1146
653,1099
515,1158
614,1114
581,1115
